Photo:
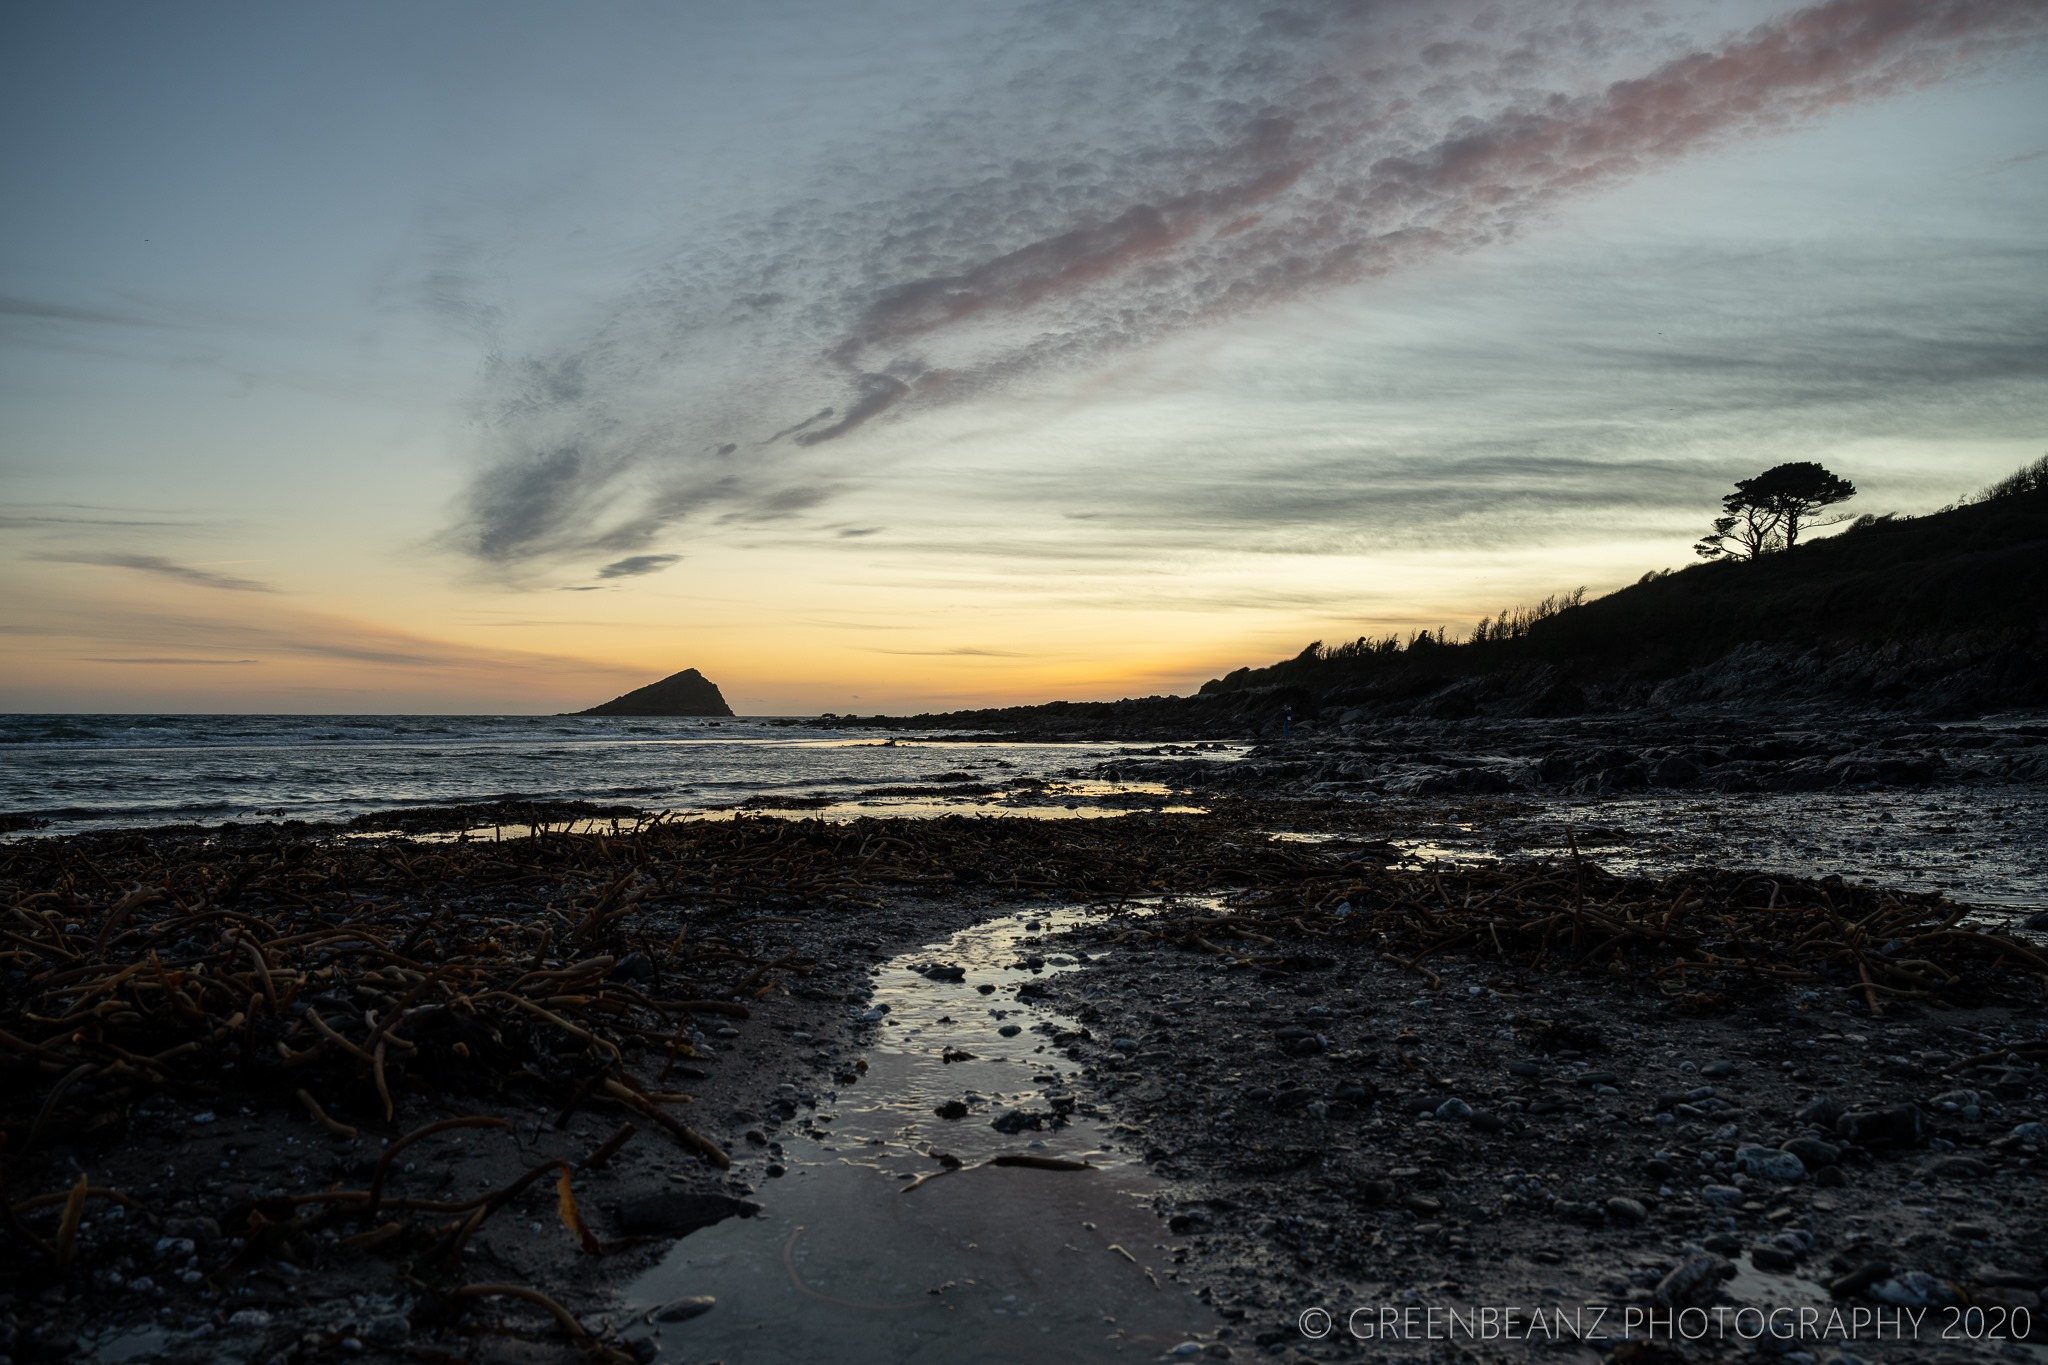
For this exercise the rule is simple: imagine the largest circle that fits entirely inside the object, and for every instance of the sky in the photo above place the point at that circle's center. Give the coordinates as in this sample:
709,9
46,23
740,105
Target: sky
922,354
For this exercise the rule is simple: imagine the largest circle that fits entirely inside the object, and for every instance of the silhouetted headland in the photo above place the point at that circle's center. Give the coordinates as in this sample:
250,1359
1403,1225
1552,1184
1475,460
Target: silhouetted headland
1944,614
688,693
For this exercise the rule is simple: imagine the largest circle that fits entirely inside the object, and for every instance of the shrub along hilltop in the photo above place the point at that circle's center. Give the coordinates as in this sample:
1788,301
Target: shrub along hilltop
1944,613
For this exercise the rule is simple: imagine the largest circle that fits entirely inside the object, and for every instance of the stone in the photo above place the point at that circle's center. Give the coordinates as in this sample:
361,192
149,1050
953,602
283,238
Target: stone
1913,1289
682,1310
952,1109
1454,1109
635,966
945,971
1017,1120
1010,1030
391,1329
1630,1212
1956,1168
1768,1163
1722,1196
677,1213
1812,1152
1898,1126
1821,1112
1693,1280
1719,1070
1859,1278
1774,1259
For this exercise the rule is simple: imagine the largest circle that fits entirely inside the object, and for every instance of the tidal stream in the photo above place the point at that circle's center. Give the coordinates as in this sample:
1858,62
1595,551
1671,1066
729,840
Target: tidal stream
872,1248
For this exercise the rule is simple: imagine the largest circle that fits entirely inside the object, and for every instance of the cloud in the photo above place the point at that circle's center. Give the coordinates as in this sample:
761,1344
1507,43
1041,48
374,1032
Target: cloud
1127,174
634,565
206,663
13,307
157,564
953,653
267,632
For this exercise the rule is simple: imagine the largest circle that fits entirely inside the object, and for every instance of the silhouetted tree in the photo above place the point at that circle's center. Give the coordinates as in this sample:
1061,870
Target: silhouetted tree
1795,493
1744,531
1768,512
2027,479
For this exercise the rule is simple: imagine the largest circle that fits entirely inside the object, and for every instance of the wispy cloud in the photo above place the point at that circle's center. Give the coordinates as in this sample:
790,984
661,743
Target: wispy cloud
266,632
203,663
1130,174
157,564
954,653
633,566
71,516
42,311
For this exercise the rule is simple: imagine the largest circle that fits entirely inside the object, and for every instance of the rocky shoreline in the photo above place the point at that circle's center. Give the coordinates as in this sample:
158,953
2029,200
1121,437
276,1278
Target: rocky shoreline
1356,1137
1347,1116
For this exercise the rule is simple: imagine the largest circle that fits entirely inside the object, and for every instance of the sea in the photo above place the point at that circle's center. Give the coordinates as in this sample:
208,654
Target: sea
71,773
66,774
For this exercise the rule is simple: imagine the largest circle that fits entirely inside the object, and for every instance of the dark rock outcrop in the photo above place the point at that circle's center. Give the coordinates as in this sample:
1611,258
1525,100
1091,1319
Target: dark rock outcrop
688,693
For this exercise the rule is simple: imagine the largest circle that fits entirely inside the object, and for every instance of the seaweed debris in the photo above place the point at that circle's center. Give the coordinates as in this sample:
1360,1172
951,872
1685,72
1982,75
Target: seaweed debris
289,968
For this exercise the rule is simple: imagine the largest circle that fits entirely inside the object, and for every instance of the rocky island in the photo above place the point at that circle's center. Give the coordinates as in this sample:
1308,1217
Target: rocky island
688,693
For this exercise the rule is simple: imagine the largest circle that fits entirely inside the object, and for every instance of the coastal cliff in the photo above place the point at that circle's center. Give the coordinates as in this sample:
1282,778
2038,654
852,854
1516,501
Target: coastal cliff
688,693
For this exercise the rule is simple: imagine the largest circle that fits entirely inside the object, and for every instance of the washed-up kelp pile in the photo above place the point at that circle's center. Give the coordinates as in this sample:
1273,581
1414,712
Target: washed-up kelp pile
1695,937
336,975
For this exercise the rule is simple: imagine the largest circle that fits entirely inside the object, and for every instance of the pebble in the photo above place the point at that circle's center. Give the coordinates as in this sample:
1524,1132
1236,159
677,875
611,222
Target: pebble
1723,1196
392,1329
1898,1126
676,1213
1017,1120
1454,1108
1772,1258
1625,1210
1010,1030
1913,1289
1821,1112
1813,1152
1719,1070
252,1318
1767,1163
1693,1279
682,1310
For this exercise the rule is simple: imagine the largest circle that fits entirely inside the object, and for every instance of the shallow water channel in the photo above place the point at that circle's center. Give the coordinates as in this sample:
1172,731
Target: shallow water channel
849,1263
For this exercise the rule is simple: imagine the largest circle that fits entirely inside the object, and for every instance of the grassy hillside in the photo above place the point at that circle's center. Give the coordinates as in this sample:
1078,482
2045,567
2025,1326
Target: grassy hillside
1973,579
1944,613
